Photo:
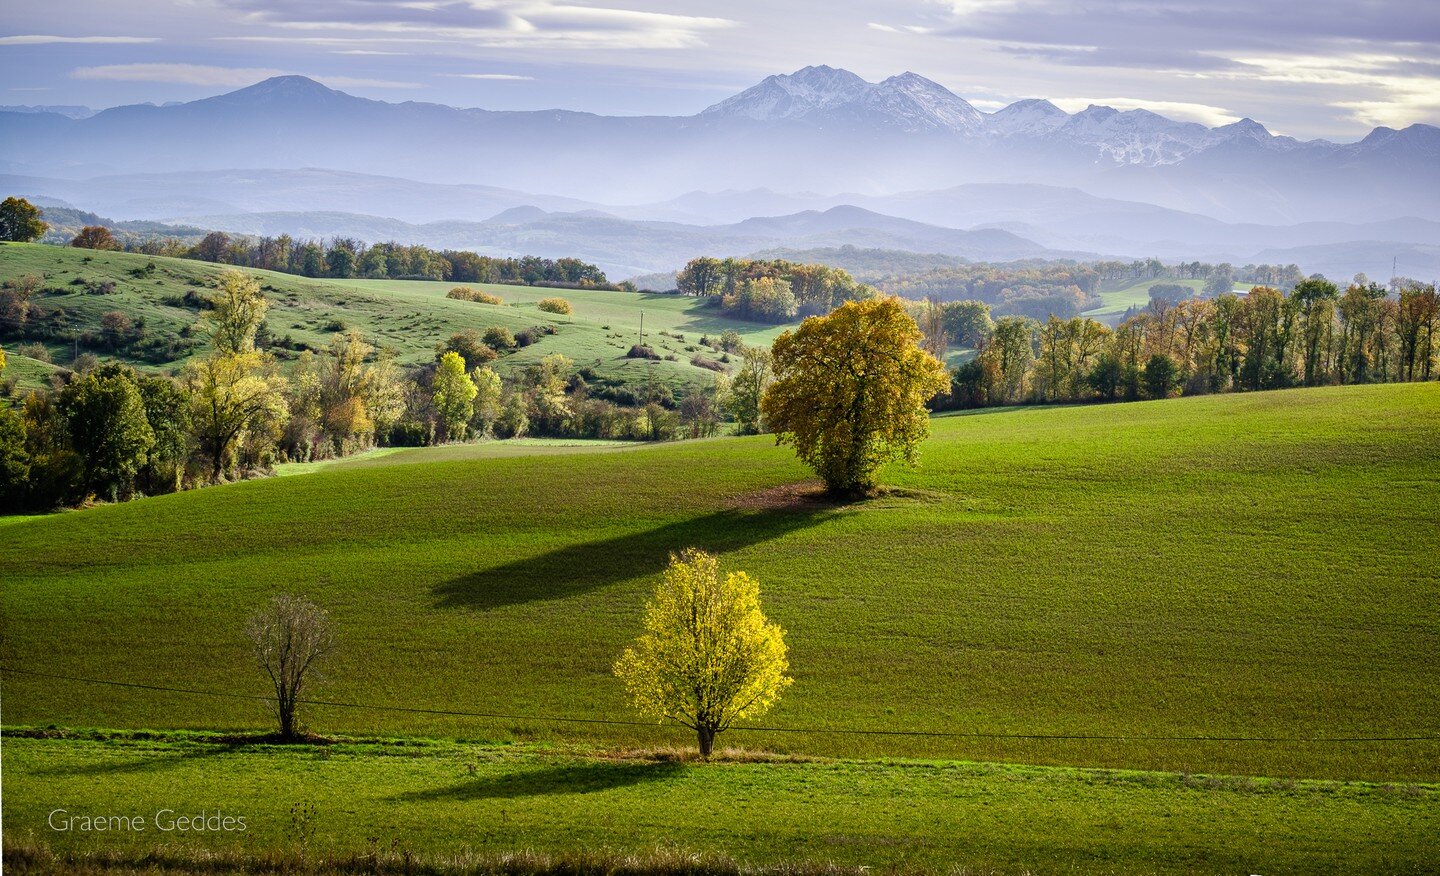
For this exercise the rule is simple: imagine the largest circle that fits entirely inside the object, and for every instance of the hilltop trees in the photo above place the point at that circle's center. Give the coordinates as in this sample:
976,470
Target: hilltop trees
290,636
20,220
95,237
708,655
850,391
770,291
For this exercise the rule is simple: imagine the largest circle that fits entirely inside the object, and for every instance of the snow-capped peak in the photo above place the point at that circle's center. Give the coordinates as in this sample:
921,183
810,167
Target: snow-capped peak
924,102
1034,116
792,95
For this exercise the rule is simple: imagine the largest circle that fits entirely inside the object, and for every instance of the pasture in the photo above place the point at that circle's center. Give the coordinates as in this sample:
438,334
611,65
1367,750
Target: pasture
410,317
1163,575
1116,298
424,797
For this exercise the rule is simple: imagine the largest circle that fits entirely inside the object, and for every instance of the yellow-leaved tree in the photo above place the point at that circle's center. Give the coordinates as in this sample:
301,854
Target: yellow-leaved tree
850,391
708,654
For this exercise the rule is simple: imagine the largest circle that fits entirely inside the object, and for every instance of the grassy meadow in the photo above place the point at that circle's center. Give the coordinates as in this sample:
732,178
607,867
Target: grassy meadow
1117,298
1258,565
428,797
408,316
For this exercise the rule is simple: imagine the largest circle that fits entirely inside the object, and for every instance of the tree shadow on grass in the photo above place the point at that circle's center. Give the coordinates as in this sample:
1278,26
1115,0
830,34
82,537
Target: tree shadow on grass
107,767
571,778
580,568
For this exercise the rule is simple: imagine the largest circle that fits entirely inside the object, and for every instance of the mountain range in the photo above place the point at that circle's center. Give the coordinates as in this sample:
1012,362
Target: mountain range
820,129
901,163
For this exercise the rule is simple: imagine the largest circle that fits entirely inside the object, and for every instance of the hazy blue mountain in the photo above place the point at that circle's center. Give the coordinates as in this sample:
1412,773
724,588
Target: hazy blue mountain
819,129
625,247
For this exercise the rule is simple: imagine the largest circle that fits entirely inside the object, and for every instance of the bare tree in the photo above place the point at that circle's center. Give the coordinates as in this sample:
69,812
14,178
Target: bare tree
290,635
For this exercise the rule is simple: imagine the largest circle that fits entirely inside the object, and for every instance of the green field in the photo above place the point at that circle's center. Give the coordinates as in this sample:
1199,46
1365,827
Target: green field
411,317
441,797
1163,574
1116,299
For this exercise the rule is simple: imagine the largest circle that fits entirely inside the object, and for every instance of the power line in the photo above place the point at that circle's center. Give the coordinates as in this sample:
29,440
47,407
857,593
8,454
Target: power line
1083,737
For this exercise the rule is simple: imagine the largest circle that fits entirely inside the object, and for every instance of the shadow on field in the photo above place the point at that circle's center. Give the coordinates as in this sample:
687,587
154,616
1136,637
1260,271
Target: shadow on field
579,568
126,767
573,778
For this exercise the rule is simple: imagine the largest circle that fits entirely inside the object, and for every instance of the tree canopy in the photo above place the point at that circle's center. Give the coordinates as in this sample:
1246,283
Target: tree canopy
850,391
708,655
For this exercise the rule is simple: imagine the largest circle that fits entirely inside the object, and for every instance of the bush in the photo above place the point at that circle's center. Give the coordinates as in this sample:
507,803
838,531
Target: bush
533,334
500,337
555,305
641,352
479,296
701,362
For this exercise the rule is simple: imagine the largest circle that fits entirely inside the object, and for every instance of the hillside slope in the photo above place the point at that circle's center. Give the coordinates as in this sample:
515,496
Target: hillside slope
1257,565
409,316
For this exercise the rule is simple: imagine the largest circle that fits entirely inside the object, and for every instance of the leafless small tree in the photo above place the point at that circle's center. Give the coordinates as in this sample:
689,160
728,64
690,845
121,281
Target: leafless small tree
290,635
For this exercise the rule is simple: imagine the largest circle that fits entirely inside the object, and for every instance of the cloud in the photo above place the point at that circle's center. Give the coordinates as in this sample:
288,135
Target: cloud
1209,116
501,24
1142,57
41,39
226,77
505,77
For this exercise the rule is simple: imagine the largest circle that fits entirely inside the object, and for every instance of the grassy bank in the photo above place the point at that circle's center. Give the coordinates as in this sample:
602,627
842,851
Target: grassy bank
455,799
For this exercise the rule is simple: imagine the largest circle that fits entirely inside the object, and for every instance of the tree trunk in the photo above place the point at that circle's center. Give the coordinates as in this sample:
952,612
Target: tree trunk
707,740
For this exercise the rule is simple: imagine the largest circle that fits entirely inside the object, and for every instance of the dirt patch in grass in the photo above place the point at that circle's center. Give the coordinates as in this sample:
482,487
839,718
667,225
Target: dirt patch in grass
812,496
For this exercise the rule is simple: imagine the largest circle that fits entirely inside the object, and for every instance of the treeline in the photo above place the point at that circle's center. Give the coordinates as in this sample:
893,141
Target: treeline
1312,335
1039,289
346,259
110,432
770,291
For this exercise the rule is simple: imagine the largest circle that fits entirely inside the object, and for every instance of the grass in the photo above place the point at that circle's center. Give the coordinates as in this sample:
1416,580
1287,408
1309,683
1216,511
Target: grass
409,316
474,801
1257,565
1114,302
454,452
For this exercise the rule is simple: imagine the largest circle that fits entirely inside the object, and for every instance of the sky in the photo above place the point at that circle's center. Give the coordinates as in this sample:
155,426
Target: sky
1306,68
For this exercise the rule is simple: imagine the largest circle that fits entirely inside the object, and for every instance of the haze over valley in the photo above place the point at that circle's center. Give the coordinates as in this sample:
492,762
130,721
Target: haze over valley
816,158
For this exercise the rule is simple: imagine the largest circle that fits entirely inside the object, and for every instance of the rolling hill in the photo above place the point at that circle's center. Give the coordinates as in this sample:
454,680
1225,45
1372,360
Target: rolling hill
1142,582
411,317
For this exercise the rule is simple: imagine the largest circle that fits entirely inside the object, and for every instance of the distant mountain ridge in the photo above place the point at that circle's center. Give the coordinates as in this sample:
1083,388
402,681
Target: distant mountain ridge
819,129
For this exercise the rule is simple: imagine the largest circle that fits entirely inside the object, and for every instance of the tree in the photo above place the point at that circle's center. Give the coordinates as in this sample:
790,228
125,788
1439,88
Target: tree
105,417
487,403
20,221
968,323
167,410
237,310
708,655
470,347
1160,376
233,396
742,398
14,459
95,237
454,396
1220,281
498,337
850,391
290,635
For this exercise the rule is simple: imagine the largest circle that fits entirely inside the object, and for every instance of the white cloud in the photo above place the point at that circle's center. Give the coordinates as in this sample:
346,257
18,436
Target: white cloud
1380,93
506,77
1210,116
42,39
227,77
